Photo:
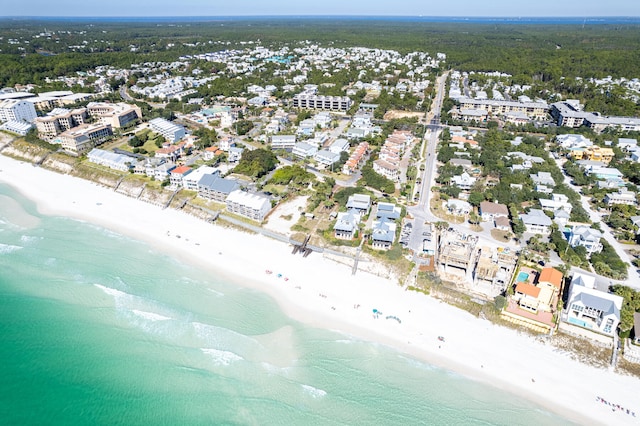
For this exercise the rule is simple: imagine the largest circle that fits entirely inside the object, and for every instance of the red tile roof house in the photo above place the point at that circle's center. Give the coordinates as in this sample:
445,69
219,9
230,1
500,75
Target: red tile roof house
176,175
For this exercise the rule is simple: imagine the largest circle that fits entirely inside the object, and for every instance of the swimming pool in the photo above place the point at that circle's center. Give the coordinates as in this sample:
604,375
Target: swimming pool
522,277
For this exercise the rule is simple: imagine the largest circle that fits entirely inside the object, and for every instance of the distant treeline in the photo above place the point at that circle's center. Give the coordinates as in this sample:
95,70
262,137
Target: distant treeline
528,52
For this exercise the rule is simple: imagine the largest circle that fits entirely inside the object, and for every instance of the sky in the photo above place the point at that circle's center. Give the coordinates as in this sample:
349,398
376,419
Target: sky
466,8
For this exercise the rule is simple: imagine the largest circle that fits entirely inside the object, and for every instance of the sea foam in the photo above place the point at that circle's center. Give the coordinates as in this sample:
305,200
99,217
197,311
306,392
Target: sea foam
221,357
151,316
8,248
314,392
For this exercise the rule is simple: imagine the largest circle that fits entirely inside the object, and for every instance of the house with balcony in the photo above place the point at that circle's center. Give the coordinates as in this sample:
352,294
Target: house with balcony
587,237
346,224
490,211
537,222
592,309
249,205
464,181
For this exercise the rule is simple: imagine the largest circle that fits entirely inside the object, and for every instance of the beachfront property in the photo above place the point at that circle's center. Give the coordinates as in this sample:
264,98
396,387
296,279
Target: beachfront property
536,222
58,121
249,205
534,299
383,229
592,309
17,110
494,268
80,139
110,159
346,224
20,128
457,252
215,188
172,132
177,175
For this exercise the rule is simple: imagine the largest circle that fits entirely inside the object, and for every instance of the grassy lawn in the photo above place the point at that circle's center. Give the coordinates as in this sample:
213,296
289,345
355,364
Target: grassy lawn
502,236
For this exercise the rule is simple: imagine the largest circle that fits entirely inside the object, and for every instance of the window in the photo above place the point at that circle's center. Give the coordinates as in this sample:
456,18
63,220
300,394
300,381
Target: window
577,308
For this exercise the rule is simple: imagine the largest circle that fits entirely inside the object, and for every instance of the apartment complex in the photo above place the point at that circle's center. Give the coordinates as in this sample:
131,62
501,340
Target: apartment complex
17,110
170,131
331,103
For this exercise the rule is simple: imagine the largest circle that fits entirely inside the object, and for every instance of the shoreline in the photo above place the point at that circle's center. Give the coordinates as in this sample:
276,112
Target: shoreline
324,294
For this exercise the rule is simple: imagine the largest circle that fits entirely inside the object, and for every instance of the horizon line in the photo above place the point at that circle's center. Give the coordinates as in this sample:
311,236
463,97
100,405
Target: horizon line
331,15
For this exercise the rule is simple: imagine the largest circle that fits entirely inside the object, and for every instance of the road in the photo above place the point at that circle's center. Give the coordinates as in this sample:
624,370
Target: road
422,210
633,279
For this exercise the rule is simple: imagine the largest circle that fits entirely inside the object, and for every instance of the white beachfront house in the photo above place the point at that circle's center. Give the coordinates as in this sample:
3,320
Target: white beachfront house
253,206
590,308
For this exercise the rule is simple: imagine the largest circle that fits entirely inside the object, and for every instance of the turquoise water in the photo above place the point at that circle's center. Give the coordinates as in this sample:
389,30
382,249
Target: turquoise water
522,277
99,329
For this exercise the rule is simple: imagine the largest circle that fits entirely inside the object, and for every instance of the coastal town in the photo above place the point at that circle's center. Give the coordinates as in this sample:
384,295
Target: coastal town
513,204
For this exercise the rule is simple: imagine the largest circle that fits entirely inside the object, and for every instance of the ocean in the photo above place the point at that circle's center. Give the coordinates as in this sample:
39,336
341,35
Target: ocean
100,329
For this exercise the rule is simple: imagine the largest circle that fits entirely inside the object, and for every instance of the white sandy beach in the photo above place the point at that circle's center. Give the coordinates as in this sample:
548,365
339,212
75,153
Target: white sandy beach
475,348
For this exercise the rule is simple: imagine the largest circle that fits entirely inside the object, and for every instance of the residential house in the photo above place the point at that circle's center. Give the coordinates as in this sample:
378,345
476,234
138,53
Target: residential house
491,211
304,150
360,202
386,169
502,223
326,158
590,308
110,159
543,178
190,180
286,142
383,234
623,196
542,295
557,202
252,206
346,224
587,237
213,187
463,181
388,211
340,145
176,176
537,222
234,154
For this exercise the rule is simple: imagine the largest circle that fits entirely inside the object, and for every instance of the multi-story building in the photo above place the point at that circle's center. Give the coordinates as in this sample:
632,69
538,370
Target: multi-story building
533,110
252,206
59,120
17,110
117,115
331,103
590,308
81,139
172,132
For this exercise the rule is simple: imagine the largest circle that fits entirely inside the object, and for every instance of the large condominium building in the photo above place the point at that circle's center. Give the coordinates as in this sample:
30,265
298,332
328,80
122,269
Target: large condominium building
570,114
17,110
117,115
533,110
253,206
171,131
81,139
59,120
331,103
